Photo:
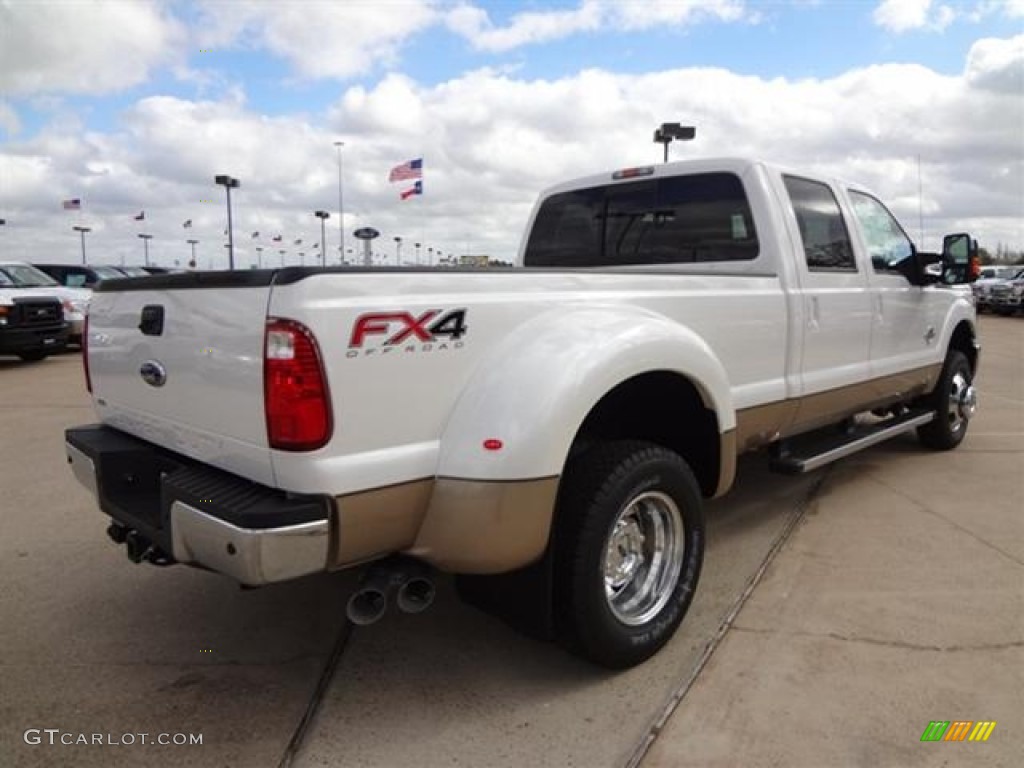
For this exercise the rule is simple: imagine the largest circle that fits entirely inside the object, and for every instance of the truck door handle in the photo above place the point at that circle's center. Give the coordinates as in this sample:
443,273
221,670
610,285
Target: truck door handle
152,321
814,313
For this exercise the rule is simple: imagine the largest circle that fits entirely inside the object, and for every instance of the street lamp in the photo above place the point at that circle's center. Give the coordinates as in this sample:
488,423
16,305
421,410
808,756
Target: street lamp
193,243
229,183
341,207
323,216
669,131
259,256
398,251
145,248
417,254
81,231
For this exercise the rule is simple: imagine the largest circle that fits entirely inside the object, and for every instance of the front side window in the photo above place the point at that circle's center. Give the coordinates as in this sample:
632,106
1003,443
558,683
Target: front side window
674,220
888,245
823,231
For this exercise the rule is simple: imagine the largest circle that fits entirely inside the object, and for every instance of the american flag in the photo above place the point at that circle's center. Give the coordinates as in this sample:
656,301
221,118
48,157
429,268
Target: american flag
410,170
187,224
141,216
72,205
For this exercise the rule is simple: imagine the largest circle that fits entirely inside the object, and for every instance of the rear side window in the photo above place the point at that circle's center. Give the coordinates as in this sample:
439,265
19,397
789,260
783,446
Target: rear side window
822,228
676,220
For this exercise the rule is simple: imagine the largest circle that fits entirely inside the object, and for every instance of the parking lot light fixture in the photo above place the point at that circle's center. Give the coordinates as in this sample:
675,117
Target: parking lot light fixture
229,183
145,248
323,216
193,243
671,131
81,231
398,251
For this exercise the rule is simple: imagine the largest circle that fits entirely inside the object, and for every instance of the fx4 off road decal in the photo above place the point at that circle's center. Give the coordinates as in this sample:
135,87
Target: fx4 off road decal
398,332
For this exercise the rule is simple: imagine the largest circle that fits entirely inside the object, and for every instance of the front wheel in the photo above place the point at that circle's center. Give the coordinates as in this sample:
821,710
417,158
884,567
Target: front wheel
629,548
954,401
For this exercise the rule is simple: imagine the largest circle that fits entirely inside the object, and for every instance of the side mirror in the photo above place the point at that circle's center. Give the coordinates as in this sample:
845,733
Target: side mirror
959,259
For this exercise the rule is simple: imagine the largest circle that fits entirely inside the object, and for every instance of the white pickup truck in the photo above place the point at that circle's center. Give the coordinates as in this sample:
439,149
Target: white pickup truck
548,433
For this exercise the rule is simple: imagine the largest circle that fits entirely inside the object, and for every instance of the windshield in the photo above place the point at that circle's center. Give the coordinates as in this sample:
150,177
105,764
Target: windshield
24,276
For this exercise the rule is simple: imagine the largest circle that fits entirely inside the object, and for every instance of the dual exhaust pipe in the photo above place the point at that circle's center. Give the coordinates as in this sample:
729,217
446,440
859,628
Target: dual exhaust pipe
408,581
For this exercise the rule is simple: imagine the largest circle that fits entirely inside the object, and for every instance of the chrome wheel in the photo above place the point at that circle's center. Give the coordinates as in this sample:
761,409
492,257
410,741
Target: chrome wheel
643,557
963,402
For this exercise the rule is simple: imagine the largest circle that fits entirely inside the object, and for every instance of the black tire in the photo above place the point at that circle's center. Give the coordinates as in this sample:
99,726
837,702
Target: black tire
625,482
33,356
948,428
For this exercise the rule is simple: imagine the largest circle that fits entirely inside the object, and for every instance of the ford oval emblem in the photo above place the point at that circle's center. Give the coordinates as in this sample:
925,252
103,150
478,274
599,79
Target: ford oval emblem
153,373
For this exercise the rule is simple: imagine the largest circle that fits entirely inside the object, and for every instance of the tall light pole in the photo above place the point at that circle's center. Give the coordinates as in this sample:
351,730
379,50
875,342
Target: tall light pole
229,183
417,254
398,251
145,248
323,216
259,256
81,231
669,131
341,208
193,243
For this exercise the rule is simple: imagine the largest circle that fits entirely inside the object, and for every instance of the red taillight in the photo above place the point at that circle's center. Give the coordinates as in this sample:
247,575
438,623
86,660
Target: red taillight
296,400
85,353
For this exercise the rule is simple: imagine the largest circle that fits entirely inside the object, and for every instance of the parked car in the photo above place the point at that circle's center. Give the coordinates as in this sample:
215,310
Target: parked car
991,275
1005,297
32,318
547,434
75,301
80,275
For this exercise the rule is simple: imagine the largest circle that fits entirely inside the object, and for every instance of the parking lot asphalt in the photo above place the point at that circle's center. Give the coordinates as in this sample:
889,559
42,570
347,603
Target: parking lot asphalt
845,611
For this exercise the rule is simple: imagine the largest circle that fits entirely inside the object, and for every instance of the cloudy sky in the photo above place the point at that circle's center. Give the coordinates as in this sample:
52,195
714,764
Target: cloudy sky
134,106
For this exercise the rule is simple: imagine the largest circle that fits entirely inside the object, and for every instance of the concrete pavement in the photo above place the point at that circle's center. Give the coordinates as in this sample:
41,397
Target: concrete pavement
897,601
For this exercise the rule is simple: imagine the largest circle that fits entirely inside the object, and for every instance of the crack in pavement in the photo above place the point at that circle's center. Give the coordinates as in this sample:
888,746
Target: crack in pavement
319,691
901,644
676,697
924,508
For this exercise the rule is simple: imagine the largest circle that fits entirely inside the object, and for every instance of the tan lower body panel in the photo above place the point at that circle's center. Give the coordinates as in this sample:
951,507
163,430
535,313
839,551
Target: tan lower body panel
461,526
763,424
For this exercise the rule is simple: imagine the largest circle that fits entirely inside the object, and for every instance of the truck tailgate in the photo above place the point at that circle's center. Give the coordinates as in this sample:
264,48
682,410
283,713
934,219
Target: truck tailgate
182,367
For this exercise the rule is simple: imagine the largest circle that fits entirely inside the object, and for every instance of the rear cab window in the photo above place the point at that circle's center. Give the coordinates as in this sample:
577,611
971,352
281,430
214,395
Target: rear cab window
697,218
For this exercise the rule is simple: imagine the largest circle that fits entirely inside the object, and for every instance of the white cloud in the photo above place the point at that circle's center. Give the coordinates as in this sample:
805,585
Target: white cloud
319,39
905,15
533,27
74,47
998,65
491,141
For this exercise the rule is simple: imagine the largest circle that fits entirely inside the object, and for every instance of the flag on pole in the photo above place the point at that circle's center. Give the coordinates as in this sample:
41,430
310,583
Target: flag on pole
277,239
255,234
187,224
415,189
141,216
72,205
410,170
299,241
